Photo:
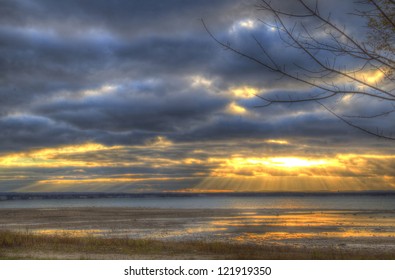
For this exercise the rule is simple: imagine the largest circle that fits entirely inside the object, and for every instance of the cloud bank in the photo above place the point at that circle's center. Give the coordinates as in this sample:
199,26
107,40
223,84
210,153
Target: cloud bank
135,96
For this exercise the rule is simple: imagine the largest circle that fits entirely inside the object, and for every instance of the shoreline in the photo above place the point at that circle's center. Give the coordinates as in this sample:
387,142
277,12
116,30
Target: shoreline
4,196
330,234
62,247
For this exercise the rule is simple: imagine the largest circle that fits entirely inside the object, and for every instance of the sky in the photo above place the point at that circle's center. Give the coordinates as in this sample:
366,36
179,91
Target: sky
135,96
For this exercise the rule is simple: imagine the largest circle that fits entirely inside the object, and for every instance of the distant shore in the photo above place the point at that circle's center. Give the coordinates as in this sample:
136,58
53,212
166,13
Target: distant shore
148,233
90,195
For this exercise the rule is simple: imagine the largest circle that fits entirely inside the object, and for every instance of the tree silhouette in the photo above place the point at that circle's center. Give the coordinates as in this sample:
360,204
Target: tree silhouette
328,46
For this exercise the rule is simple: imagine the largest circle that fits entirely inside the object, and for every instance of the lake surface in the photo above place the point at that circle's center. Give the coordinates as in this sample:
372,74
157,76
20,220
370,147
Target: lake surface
336,202
349,221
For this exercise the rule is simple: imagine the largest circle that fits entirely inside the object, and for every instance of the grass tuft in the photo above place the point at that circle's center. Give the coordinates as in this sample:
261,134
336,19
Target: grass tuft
15,245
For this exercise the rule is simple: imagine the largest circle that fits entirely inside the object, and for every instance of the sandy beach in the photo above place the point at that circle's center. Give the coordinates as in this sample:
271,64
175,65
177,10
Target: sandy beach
347,231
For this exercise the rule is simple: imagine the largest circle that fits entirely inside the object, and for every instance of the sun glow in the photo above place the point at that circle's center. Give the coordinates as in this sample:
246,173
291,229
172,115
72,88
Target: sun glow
248,24
277,162
277,141
292,162
255,167
54,157
243,24
375,78
244,91
370,77
152,164
72,149
235,109
296,165
341,172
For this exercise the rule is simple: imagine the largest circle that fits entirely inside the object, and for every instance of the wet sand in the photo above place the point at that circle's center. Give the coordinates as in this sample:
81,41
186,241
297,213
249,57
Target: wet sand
348,230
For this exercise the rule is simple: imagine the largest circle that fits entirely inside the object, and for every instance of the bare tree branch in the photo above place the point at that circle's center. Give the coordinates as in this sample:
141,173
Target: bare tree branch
327,75
377,134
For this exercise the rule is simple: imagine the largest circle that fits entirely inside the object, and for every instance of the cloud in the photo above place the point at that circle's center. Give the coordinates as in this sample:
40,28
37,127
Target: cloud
135,74
161,165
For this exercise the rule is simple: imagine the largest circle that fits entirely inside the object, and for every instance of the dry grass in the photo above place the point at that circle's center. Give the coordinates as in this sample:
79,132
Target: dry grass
15,245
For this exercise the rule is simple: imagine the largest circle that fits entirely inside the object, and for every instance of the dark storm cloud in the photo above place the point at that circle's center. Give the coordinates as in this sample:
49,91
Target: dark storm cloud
291,127
53,52
18,132
122,16
155,110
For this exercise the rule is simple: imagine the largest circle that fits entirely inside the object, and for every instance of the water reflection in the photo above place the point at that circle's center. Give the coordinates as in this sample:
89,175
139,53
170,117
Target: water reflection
69,232
305,226
261,226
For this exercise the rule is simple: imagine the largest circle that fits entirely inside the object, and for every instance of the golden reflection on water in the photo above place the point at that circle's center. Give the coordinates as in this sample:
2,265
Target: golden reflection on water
69,232
310,219
258,226
278,236
309,225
